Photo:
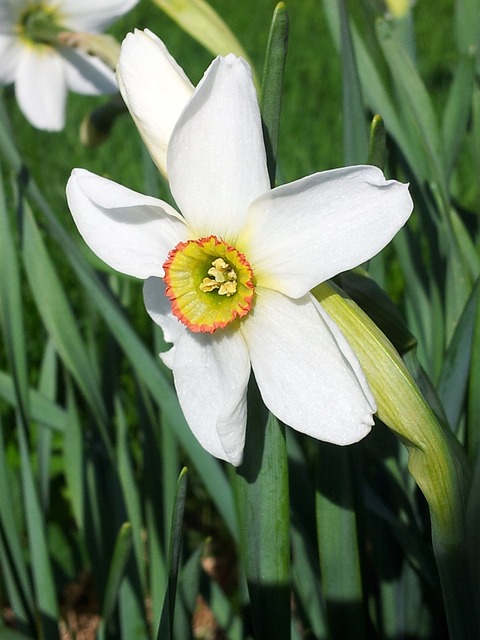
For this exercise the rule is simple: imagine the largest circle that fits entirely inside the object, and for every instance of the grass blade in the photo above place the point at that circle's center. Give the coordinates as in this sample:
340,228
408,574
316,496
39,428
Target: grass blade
11,309
473,408
417,107
453,383
43,411
165,629
355,139
272,83
14,566
47,385
457,109
261,486
58,317
466,24
338,543
120,557
133,622
42,570
74,460
202,22
131,494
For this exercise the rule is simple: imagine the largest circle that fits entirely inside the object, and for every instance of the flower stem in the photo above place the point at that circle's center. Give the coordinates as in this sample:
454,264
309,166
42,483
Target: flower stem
261,491
435,458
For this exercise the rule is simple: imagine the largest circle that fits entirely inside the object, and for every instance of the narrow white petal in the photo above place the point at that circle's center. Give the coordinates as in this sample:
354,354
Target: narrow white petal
216,158
92,15
10,53
10,11
302,373
211,375
86,74
305,232
40,87
159,309
347,351
131,232
155,90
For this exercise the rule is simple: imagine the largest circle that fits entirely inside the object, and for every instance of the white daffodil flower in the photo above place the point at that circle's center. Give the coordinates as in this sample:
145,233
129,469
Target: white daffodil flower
41,68
229,279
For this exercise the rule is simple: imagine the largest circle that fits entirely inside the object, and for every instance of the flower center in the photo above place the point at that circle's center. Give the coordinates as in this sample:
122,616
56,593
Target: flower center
39,24
209,284
222,277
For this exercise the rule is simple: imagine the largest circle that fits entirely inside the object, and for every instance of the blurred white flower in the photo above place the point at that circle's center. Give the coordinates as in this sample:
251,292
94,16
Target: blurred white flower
42,68
229,280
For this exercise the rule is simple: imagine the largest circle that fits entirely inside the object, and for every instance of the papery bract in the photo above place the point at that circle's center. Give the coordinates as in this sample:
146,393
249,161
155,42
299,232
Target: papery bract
229,280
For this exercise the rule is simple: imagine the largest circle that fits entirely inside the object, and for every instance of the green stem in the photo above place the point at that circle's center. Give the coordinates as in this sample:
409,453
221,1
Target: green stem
454,569
338,543
261,491
435,458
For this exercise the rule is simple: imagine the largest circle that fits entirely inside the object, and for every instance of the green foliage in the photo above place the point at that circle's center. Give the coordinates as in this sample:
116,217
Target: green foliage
92,439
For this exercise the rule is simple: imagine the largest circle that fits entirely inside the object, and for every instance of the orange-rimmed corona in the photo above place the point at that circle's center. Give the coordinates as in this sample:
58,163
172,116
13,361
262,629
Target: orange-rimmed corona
209,283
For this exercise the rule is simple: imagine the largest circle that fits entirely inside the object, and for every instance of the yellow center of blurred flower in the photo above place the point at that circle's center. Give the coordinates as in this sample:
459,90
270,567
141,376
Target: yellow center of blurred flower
209,283
39,24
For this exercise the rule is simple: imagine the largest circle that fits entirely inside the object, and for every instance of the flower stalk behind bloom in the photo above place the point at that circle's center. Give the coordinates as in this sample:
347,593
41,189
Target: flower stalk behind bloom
400,404
435,461
203,23
101,45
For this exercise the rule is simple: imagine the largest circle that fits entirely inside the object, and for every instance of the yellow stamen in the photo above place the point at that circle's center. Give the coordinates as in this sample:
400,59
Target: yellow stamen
223,278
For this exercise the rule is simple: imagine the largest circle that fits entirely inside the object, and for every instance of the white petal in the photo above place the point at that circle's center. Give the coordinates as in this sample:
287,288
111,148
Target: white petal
159,309
131,232
86,74
347,351
40,87
303,376
155,90
305,232
92,15
10,53
216,158
9,12
211,375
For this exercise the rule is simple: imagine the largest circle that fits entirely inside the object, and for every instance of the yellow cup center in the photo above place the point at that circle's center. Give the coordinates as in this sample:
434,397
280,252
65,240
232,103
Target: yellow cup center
40,24
209,283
